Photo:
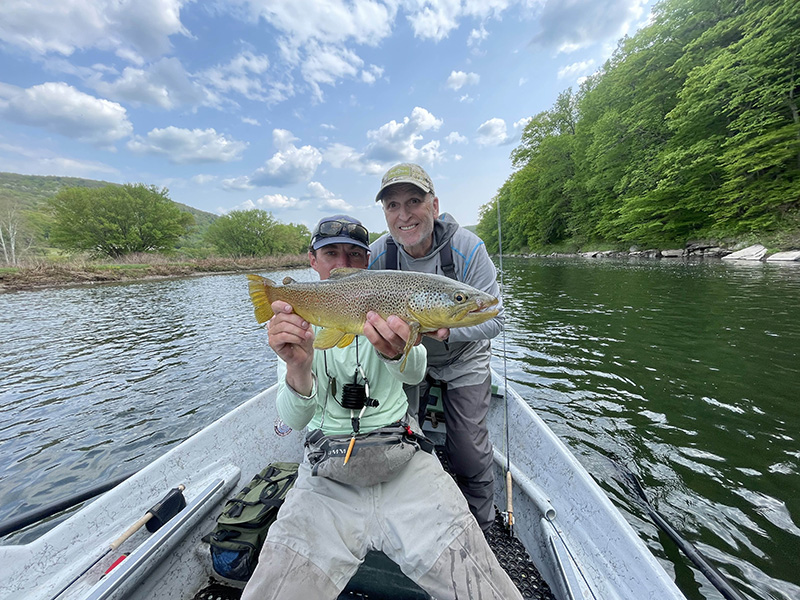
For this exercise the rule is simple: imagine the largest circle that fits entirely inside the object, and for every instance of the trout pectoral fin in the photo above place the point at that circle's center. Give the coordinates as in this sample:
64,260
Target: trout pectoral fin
412,337
328,338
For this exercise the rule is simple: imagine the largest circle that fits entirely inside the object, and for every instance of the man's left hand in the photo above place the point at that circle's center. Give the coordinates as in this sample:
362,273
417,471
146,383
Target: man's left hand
388,336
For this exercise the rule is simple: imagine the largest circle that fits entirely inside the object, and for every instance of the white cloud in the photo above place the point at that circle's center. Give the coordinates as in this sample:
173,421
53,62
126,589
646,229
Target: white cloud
130,29
578,68
289,164
371,74
184,146
328,64
435,19
395,142
459,79
476,36
60,108
241,75
316,39
277,201
336,205
202,179
345,157
492,133
466,98
237,183
300,21
569,26
328,200
317,190
522,81
165,83
522,122
456,138
430,152
38,161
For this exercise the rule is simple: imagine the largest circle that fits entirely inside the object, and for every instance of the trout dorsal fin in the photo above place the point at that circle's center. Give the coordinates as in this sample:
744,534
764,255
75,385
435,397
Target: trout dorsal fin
328,338
340,272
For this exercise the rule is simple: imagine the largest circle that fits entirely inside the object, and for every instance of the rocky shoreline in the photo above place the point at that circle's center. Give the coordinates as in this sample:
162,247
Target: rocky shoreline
754,253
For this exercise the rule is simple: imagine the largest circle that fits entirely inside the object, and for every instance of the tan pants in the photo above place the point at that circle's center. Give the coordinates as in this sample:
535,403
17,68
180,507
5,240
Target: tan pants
420,520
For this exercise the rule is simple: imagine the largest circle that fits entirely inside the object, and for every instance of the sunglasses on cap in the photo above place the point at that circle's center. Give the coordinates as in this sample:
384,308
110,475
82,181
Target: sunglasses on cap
338,228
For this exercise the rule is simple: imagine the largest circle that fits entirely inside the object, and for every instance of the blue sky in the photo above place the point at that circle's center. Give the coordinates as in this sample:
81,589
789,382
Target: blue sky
292,106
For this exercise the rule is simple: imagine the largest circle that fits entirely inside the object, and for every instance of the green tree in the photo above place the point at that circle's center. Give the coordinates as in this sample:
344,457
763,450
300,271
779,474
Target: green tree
255,233
117,220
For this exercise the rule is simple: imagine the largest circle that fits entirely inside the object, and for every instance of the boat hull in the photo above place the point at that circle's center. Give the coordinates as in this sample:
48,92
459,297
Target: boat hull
578,540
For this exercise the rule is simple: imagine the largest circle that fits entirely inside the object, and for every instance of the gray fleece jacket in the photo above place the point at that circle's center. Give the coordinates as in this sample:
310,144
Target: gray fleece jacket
464,359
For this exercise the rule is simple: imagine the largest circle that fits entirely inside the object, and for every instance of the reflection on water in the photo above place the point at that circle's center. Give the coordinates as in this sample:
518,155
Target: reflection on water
98,381
687,373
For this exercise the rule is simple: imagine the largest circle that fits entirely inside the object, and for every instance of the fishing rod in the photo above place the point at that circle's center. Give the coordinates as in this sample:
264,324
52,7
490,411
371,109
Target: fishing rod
714,576
509,497
39,514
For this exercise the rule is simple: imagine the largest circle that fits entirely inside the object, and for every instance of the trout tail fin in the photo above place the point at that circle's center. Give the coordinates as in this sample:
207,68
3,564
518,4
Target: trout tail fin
259,294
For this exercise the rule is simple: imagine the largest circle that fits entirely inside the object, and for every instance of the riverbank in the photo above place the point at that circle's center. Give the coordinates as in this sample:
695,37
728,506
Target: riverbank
75,272
755,252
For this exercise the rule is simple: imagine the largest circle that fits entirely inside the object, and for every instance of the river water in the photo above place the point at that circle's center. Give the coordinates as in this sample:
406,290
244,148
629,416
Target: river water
686,373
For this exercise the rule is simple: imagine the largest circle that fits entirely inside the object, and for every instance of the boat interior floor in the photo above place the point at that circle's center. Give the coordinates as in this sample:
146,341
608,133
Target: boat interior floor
379,578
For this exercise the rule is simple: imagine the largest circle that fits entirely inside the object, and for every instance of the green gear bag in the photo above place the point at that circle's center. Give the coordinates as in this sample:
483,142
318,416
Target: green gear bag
242,527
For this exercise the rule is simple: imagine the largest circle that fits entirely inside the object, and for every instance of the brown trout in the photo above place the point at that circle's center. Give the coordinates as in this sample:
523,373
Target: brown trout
340,304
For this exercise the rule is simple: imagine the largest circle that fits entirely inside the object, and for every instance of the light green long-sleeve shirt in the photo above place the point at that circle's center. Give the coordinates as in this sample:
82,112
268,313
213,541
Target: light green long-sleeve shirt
322,411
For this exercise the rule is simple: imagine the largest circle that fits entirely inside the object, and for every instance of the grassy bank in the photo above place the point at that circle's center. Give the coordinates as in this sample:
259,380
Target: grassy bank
48,273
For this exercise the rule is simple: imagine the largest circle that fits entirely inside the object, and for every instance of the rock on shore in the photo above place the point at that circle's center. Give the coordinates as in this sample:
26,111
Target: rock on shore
756,252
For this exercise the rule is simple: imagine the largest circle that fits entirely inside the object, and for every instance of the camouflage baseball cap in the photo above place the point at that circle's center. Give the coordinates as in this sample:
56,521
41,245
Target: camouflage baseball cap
406,173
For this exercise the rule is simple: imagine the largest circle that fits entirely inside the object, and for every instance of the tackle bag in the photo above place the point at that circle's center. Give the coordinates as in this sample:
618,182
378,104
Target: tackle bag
242,527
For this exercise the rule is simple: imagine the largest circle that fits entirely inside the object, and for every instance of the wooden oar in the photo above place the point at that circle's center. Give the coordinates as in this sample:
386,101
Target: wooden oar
717,579
168,507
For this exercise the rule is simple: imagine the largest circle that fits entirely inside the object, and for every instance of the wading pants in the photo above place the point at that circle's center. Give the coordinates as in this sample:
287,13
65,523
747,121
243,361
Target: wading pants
468,450
420,520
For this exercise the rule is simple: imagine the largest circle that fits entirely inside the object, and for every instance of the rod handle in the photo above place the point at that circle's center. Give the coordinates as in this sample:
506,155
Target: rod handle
509,501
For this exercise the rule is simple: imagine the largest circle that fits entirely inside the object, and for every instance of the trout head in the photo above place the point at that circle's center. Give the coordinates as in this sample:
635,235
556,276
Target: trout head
457,306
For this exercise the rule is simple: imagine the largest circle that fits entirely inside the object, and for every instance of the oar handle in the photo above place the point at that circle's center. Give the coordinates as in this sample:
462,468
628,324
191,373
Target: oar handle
130,531
136,526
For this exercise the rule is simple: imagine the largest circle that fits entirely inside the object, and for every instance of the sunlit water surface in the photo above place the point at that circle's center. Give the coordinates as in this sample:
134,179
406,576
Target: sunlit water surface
685,373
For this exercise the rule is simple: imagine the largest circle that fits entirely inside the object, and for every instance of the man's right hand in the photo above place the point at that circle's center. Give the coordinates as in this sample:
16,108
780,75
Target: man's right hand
292,339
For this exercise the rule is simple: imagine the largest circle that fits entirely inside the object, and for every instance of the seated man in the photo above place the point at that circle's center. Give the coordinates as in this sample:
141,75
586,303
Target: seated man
415,514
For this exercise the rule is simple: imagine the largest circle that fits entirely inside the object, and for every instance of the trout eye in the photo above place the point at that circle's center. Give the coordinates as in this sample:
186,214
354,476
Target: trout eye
460,297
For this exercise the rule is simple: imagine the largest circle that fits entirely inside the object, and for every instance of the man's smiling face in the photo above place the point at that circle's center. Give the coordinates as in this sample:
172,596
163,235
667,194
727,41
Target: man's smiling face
410,214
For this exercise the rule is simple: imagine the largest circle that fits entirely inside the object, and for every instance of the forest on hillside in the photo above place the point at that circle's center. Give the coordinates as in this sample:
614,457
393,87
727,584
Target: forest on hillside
26,219
689,131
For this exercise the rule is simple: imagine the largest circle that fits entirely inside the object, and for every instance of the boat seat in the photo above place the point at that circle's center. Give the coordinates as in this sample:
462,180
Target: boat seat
379,577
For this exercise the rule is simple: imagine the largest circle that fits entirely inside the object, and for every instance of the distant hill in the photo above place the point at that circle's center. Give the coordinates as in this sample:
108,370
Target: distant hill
30,193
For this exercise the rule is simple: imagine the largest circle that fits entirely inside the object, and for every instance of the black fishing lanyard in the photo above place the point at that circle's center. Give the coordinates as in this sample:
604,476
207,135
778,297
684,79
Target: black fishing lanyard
355,395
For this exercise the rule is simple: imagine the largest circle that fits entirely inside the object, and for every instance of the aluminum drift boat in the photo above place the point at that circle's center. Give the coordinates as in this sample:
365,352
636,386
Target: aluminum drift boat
578,540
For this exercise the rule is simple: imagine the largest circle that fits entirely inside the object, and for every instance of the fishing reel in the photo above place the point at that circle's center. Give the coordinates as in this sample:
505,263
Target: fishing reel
355,396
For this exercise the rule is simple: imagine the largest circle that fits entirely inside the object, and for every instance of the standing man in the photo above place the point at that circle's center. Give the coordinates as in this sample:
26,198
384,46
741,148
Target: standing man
419,239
